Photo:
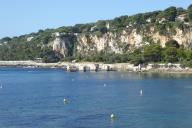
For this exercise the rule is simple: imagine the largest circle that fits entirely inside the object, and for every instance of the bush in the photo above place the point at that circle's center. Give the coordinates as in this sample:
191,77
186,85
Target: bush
152,53
170,13
186,63
136,60
171,55
172,43
190,13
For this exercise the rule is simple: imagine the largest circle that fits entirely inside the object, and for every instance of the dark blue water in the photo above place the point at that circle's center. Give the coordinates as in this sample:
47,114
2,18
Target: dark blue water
33,98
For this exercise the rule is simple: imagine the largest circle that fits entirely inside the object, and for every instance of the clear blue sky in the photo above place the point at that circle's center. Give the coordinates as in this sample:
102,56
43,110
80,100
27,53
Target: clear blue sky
26,16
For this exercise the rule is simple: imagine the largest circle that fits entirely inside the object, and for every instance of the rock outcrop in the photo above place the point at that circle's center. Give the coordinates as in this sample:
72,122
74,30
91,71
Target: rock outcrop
126,40
61,44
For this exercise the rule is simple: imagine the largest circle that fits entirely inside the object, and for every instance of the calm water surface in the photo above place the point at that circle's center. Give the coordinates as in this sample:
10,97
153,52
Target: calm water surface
33,98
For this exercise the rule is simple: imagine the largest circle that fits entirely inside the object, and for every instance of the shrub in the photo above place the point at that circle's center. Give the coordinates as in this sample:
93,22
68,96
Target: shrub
170,13
171,55
152,53
172,43
190,13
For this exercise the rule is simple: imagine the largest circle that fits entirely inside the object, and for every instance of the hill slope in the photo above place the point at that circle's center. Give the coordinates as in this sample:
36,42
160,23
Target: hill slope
139,38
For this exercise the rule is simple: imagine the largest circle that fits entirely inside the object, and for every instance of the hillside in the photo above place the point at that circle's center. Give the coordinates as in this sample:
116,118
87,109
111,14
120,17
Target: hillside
159,36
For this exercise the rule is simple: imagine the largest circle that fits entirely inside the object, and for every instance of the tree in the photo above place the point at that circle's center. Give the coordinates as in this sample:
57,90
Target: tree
182,53
170,13
180,11
172,43
101,26
40,31
152,53
136,57
188,54
190,12
5,39
171,55
136,60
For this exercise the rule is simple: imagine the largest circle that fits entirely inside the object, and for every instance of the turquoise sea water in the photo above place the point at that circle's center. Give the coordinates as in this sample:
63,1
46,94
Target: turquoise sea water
33,98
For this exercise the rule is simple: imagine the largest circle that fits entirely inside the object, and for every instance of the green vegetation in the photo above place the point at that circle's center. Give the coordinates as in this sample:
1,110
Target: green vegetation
190,13
172,53
152,53
172,43
170,13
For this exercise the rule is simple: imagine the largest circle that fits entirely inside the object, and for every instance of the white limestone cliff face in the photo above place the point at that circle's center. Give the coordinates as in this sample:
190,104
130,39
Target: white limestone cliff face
126,41
183,38
119,42
60,44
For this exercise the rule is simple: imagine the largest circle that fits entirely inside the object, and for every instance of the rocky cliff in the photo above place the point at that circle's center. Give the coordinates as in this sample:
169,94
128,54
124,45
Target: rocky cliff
120,42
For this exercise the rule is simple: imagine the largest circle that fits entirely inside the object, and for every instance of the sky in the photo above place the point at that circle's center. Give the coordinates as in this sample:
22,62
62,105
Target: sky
19,17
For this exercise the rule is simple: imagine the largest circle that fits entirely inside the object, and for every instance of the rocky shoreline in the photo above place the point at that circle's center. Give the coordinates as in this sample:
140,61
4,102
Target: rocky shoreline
88,66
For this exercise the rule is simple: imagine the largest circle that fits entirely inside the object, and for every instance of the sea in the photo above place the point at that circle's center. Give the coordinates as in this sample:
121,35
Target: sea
34,98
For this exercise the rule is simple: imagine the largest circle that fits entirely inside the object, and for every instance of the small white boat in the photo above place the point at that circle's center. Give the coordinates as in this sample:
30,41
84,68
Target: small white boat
141,92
